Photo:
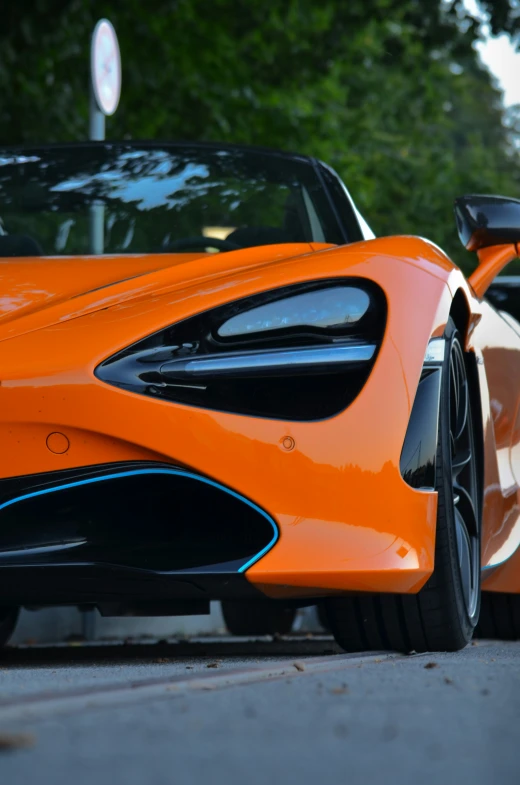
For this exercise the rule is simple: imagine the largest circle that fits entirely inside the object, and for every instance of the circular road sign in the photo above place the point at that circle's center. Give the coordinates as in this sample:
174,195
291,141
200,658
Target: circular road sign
105,67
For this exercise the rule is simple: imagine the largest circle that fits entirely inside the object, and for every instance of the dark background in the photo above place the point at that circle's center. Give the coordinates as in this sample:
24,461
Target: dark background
389,92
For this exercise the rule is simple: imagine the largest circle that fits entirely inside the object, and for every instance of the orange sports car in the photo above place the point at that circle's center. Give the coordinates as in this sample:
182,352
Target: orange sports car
217,384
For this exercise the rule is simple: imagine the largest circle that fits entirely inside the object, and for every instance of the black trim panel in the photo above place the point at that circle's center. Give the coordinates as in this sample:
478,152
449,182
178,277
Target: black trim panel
419,451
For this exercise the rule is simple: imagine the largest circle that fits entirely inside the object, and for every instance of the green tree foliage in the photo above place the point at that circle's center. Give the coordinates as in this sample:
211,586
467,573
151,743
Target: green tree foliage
389,92
504,15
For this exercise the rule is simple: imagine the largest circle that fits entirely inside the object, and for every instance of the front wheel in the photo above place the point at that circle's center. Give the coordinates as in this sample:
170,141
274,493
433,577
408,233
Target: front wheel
443,615
8,619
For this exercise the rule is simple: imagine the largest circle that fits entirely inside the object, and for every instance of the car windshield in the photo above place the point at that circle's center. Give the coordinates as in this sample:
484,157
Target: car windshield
139,199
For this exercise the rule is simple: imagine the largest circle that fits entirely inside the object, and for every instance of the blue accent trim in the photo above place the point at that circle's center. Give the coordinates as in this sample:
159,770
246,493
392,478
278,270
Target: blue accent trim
500,563
177,472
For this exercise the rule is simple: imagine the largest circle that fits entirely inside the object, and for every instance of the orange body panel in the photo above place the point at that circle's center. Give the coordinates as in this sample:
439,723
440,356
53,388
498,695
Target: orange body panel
347,519
497,348
491,261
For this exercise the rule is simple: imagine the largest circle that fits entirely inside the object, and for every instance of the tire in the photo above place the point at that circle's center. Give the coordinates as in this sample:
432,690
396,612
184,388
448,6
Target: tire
499,616
8,619
323,616
443,615
260,617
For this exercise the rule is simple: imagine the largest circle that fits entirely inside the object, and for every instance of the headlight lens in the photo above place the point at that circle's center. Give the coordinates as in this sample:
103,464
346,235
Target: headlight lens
323,309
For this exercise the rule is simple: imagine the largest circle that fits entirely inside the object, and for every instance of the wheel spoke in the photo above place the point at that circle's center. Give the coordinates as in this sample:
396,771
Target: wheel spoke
466,507
459,461
462,413
465,557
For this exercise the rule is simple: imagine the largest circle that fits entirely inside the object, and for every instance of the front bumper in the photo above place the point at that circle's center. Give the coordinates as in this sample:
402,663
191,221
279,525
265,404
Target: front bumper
347,521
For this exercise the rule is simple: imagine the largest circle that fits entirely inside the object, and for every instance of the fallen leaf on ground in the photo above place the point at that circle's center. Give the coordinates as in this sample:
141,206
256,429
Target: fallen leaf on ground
299,666
15,741
430,665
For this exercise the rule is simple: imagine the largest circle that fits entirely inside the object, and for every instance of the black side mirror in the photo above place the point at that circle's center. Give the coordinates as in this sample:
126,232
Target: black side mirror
483,221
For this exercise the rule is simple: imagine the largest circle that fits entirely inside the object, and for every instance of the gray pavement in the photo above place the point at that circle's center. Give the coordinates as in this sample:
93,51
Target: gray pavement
233,712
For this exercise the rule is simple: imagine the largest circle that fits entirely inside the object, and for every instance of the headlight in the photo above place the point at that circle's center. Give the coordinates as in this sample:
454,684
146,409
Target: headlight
331,308
301,353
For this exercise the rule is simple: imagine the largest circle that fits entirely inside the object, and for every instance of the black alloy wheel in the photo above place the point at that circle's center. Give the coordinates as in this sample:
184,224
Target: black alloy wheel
443,615
464,480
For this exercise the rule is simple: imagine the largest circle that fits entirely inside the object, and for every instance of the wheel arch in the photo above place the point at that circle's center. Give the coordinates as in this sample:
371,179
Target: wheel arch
460,312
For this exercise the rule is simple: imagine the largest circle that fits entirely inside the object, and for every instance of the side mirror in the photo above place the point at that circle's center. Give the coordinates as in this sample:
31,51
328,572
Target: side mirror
489,225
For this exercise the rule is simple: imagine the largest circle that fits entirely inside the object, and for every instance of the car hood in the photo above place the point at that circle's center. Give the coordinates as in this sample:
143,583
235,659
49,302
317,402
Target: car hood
41,291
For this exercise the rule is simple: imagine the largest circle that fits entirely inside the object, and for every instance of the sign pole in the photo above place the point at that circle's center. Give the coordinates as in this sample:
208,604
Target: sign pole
105,90
97,210
96,120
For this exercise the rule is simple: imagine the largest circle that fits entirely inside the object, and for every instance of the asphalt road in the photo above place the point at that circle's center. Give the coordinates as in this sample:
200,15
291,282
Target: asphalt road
232,712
